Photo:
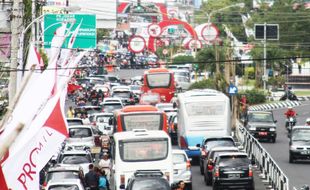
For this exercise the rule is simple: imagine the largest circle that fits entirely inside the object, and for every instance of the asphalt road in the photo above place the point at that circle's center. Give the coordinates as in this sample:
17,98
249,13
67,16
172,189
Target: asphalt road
297,173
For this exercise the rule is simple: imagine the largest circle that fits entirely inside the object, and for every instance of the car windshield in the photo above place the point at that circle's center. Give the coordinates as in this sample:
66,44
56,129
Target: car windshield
109,108
181,79
113,79
80,132
260,117
182,74
135,87
150,149
219,143
75,159
179,158
301,135
205,108
58,175
143,121
74,122
63,187
234,161
121,94
158,80
151,184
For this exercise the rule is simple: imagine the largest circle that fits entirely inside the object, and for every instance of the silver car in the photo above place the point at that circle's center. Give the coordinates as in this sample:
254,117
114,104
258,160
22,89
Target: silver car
182,168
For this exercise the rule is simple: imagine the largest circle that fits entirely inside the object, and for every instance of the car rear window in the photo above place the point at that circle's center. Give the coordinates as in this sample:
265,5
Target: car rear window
234,161
75,159
219,142
214,154
151,184
179,158
58,175
63,187
80,132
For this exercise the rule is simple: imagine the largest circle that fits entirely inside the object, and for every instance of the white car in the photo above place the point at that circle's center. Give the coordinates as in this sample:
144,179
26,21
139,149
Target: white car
74,184
71,156
181,167
163,106
121,87
112,100
110,107
101,121
80,136
182,82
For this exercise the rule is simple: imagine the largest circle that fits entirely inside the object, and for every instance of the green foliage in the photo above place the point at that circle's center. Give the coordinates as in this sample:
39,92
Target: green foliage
207,60
254,96
249,72
101,33
183,59
208,83
44,57
276,82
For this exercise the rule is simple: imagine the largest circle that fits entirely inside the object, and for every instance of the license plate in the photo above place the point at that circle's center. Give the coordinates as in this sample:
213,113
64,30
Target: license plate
262,133
95,150
234,175
305,152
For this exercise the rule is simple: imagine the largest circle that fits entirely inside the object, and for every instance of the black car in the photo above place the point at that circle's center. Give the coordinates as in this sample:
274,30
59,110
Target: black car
300,143
148,179
211,142
261,125
233,171
209,162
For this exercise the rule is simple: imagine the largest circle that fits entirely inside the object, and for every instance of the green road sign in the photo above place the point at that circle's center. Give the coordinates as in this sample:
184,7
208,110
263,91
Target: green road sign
86,37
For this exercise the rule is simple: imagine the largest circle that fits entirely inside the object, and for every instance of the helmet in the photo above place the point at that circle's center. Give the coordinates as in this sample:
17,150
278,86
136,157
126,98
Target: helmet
308,121
290,107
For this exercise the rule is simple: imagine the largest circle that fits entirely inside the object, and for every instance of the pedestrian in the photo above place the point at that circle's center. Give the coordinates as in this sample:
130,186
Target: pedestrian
181,185
70,113
91,178
103,181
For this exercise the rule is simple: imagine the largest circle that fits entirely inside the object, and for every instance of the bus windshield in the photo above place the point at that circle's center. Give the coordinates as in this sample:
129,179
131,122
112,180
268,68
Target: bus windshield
142,121
151,149
204,108
159,80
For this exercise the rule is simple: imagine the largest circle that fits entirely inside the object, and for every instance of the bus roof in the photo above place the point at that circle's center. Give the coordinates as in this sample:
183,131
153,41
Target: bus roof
158,70
139,108
201,92
139,134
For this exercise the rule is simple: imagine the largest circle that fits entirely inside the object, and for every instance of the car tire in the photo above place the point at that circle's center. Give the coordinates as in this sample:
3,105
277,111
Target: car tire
188,186
291,158
273,140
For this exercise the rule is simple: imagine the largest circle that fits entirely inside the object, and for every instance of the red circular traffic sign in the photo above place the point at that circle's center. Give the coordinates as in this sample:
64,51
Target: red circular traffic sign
165,51
210,32
136,44
154,30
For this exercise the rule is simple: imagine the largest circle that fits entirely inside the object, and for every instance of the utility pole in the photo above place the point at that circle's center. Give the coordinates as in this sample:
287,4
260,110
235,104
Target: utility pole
15,28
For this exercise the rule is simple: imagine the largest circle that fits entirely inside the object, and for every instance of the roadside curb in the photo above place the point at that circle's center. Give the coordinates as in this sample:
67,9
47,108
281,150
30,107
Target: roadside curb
272,106
300,98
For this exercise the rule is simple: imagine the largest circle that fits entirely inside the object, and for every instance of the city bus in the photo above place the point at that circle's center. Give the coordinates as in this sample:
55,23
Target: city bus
201,113
141,150
161,81
141,117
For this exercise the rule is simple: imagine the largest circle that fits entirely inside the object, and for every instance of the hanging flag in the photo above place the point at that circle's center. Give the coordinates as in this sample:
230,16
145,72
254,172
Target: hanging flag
40,138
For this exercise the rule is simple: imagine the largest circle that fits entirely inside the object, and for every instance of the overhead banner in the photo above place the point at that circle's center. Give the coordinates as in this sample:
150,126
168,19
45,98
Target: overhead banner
86,36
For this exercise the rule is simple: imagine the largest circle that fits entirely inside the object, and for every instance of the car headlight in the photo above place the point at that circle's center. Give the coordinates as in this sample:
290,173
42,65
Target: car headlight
272,129
251,128
293,147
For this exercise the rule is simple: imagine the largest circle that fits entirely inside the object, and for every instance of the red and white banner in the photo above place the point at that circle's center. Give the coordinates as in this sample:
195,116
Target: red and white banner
40,109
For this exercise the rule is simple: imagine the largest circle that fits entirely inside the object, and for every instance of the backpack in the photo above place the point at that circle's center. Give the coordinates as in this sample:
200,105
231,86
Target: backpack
102,181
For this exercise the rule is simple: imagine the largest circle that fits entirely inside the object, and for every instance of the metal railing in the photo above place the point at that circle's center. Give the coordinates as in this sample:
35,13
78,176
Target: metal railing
271,172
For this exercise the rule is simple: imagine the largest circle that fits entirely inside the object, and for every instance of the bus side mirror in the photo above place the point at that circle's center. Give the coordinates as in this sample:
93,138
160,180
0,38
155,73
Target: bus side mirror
110,121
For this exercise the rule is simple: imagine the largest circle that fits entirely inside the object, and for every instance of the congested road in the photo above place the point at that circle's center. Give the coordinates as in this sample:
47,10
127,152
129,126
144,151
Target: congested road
298,173
198,182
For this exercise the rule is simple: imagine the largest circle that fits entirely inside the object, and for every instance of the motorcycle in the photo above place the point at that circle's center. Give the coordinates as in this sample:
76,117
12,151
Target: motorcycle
290,123
290,96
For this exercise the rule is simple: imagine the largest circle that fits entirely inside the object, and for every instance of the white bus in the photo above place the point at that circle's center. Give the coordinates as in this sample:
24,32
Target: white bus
140,150
202,113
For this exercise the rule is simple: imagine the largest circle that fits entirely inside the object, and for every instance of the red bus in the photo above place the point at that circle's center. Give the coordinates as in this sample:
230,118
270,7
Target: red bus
161,81
139,117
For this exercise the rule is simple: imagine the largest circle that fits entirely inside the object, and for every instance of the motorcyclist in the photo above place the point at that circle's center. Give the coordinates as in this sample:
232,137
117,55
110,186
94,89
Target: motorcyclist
290,113
105,164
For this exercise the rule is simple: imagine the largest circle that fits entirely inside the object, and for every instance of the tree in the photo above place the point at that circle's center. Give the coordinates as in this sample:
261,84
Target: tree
183,59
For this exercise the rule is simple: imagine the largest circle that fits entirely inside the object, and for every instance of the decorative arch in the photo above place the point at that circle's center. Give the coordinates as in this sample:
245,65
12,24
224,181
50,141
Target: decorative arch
163,24
122,8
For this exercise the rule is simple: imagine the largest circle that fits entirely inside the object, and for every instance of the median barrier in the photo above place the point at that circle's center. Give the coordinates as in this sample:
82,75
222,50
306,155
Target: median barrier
271,172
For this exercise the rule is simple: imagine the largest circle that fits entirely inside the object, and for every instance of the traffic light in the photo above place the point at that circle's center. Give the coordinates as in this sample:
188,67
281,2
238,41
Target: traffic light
139,7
